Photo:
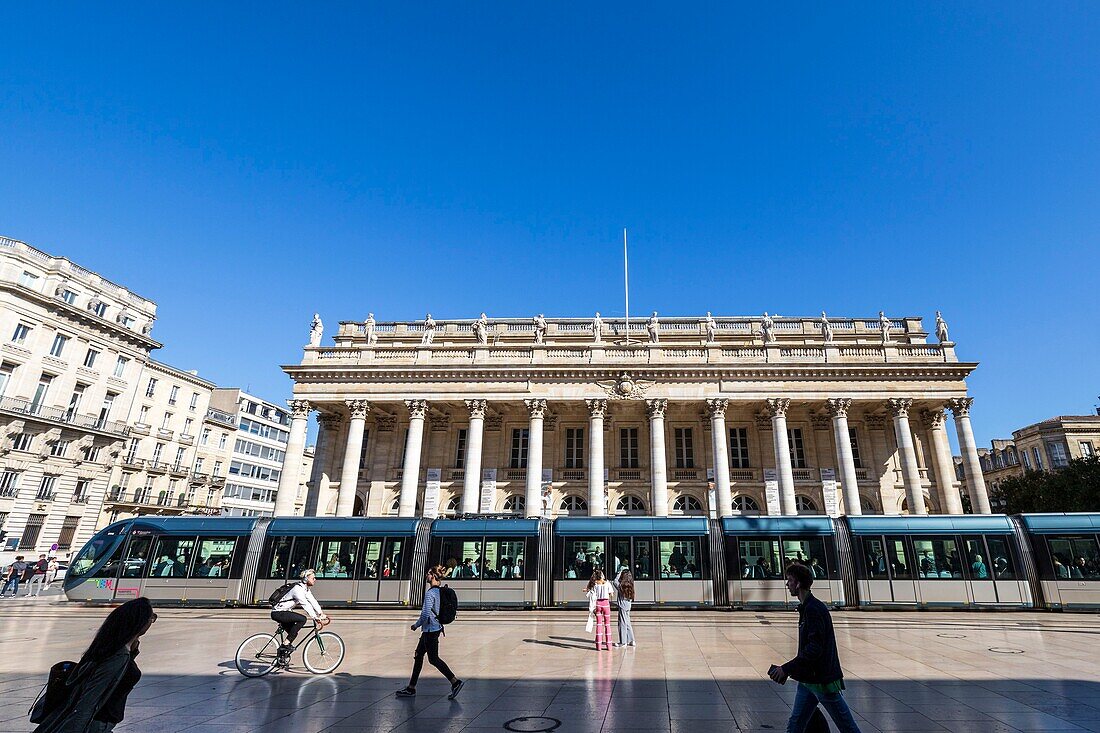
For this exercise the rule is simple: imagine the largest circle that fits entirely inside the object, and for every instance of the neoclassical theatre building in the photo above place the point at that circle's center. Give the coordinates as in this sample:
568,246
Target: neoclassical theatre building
675,416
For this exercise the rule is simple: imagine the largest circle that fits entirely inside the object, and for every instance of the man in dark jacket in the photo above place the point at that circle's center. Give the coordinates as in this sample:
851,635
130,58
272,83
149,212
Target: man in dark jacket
817,666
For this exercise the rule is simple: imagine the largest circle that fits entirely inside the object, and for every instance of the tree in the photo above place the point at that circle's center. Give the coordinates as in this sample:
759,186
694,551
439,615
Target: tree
1075,488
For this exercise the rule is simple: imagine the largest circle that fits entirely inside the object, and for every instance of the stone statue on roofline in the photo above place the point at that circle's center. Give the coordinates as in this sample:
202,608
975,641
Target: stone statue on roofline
540,328
481,329
712,328
653,326
884,326
826,329
316,330
941,328
368,330
597,329
767,328
429,331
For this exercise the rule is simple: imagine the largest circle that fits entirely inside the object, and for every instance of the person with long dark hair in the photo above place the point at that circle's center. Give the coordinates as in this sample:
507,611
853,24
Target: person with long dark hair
600,593
105,675
624,587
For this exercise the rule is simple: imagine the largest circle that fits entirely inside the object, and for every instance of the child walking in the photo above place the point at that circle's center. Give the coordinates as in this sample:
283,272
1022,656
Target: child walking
599,594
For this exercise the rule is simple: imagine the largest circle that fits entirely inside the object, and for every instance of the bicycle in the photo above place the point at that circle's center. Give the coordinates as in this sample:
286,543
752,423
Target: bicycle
322,652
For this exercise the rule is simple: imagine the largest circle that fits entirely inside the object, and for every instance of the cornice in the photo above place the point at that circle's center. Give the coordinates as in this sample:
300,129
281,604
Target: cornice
85,318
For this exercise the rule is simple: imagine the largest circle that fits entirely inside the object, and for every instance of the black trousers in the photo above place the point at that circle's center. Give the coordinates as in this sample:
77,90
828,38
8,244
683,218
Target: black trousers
429,644
291,622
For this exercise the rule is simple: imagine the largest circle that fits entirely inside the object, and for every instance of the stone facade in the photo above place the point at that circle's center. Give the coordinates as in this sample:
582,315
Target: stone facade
558,416
74,347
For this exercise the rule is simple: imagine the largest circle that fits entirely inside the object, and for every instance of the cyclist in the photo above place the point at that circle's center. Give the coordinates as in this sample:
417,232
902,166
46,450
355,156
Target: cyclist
300,596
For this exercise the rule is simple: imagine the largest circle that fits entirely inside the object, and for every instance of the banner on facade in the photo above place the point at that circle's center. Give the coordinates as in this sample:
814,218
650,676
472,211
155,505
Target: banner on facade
828,489
488,490
771,490
431,493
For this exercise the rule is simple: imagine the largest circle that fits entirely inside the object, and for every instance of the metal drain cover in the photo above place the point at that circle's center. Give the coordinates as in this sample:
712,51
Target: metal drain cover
1005,650
533,724
951,636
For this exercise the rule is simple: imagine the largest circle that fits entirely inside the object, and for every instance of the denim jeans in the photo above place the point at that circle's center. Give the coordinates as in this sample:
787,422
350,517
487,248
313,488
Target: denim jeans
804,703
11,581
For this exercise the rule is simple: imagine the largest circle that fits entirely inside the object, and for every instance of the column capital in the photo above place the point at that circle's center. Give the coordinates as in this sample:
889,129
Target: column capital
417,408
778,406
933,419
717,407
838,406
299,408
819,420
656,408
899,406
477,408
328,421
596,408
536,407
960,407
358,408
875,422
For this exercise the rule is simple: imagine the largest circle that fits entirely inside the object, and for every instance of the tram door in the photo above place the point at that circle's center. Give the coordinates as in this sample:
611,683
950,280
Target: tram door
368,584
334,565
980,569
903,585
170,564
135,566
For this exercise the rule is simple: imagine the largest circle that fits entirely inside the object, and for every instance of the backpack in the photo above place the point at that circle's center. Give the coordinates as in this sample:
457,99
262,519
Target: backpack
448,605
280,593
54,693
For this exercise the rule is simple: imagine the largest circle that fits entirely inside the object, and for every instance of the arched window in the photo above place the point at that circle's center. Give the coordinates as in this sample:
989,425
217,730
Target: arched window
687,505
515,504
453,505
929,505
745,503
395,506
805,505
630,505
573,504
867,505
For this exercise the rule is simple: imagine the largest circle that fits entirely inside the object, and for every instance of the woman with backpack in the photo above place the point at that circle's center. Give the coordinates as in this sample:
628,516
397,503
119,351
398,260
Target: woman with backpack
624,586
96,690
431,627
599,594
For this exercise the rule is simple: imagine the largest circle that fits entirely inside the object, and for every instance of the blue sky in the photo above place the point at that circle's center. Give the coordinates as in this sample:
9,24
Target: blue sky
246,165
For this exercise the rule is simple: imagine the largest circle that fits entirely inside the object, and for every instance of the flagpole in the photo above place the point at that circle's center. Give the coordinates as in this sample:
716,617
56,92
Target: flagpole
626,285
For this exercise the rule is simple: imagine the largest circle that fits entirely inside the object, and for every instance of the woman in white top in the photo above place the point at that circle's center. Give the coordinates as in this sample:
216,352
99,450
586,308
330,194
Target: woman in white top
599,594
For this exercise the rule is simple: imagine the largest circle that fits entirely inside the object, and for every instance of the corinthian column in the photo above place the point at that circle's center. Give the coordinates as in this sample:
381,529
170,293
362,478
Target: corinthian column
410,472
777,408
471,479
597,502
910,471
719,438
972,467
292,459
327,426
353,451
936,423
533,498
849,484
658,471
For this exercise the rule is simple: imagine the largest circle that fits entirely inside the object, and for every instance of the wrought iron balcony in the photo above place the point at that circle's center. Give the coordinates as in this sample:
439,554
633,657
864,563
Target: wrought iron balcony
62,416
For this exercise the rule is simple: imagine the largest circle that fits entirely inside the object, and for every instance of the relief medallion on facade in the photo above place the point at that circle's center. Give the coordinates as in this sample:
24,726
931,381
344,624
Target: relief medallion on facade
626,387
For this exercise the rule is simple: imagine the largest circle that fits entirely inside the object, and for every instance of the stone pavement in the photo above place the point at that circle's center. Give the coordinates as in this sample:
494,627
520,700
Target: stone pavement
693,672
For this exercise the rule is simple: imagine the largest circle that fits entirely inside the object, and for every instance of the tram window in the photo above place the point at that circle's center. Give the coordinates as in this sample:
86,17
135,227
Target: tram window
393,559
1000,558
809,552
93,552
372,560
300,557
173,557
214,558
582,557
643,559
901,565
874,553
137,557
462,559
759,559
1075,557
336,557
504,559
278,556
620,556
937,558
977,559
680,558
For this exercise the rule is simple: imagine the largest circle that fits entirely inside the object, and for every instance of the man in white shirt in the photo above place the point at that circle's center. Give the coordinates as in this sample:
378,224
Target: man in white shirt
299,595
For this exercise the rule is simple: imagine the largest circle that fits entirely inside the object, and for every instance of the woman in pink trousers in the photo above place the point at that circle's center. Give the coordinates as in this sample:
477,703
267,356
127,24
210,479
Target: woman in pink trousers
599,594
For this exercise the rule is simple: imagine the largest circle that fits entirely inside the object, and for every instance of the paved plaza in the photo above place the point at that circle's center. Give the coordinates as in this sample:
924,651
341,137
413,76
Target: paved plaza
692,673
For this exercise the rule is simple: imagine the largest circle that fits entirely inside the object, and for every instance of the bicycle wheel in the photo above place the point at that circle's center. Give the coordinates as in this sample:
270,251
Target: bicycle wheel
256,656
323,653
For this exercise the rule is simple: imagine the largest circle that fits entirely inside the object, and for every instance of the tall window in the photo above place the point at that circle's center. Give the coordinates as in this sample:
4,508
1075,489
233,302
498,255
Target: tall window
40,392
68,296
58,347
157,450
166,421
151,387
6,372
1038,457
143,415
105,411
1086,449
30,532
80,493
188,423
74,401
277,455
99,308
59,449
855,448
28,279
685,450
205,436
120,366
47,487
798,450
9,483
1058,457
628,448
89,357
221,440
739,447
574,448
194,401
174,394
68,530
460,449
22,441
22,330
519,448
179,457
